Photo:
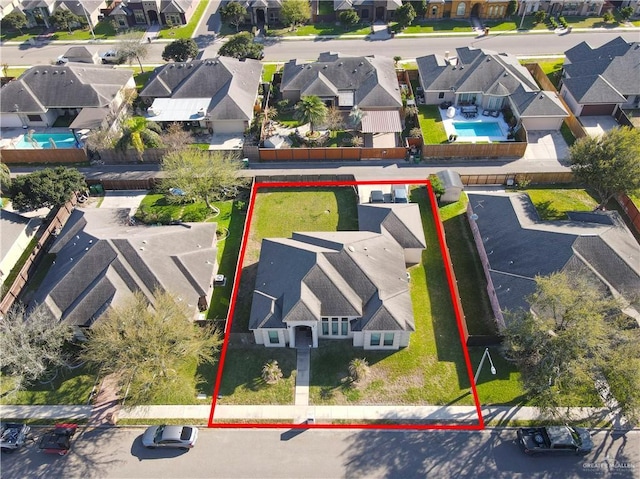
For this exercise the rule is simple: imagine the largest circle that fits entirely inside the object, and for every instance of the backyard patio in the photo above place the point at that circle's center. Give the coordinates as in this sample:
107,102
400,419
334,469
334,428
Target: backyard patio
473,124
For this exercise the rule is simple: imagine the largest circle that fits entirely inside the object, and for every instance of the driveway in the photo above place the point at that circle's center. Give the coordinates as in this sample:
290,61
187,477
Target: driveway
123,199
598,125
545,146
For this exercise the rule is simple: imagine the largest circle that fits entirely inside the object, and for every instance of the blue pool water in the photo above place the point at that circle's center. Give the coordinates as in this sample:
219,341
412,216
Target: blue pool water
464,128
61,140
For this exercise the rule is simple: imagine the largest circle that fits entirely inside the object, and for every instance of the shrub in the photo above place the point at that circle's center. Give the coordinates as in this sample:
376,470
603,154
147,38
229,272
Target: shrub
553,23
563,22
271,372
349,17
540,16
358,370
282,105
608,16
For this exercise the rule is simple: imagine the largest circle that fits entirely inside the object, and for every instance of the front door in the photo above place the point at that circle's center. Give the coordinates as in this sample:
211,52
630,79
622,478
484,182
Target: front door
304,337
380,14
153,17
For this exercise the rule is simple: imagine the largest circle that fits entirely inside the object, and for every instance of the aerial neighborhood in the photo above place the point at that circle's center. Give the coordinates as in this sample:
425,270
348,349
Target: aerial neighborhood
226,215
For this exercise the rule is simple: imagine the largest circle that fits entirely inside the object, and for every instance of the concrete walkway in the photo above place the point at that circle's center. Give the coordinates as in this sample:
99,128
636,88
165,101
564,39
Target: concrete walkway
303,367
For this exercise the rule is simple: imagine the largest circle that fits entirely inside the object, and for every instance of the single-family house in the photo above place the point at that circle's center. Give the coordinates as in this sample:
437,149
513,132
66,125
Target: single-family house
219,93
263,12
461,9
518,246
17,232
44,92
38,12
369,10
599,81
153,12
572,7
350,285
8,6
491,81
101,259
369,83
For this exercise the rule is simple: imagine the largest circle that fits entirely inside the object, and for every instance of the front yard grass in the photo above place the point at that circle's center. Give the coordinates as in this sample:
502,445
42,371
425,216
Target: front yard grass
321,29
553,203
185,31
431,124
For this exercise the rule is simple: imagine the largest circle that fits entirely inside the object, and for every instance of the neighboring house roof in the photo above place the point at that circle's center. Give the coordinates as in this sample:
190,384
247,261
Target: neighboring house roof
372,79
101,260
12,225
31,4
175,6
70,86
489,73
520,246
262,4
357,274
81,54
349,4
604,74
230,84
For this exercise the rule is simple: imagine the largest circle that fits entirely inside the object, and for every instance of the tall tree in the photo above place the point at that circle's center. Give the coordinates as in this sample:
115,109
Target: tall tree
130,48
180,50
241,45
234,14
5,177
420,7
140,134
46,188
609,164
147,345
349,17
405,15
334,119
15,20
31,343
204,175
512,7
295,12
310,109
570,338
65,19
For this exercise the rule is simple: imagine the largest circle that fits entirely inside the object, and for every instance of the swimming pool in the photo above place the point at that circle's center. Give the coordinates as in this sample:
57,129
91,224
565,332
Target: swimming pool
477,128
44,140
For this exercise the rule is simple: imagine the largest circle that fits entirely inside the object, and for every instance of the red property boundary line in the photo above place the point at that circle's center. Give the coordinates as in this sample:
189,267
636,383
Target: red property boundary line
450,281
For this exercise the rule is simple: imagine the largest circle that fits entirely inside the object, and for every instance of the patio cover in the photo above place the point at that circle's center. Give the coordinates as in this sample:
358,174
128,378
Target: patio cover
90,118
178,109
381,121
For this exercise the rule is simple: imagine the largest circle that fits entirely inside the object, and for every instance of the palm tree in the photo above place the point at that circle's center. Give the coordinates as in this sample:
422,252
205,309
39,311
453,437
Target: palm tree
311,109
358,369
271,372
140,134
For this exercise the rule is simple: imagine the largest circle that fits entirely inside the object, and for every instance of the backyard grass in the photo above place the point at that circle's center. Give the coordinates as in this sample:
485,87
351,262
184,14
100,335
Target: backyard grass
156,208
141,79
286,119
431,124
472,284
551,68
553,203
69,387
567,134
268,69
186,31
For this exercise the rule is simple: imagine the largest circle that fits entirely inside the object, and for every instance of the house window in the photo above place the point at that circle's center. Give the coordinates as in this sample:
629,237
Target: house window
388,339
434,11
364,14
122,22
462,7
344,331
273,17
139,15
467,98
173,19
334,326
325,327
274,337
375,339
441,95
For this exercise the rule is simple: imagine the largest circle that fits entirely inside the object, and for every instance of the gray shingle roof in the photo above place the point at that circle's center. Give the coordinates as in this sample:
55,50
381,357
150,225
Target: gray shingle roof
604,74
100,261
231,84
373,79
69,86
12,225
349,4
400,221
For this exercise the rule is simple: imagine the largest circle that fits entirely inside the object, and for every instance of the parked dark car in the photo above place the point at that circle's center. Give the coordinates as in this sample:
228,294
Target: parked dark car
554,440
178,437
376,196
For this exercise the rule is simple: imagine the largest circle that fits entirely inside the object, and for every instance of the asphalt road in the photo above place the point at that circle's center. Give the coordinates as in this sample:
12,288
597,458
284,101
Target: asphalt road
235,453
280,50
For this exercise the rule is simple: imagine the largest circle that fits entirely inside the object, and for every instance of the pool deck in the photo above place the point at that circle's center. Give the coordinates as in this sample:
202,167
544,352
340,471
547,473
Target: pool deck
10,137
450,129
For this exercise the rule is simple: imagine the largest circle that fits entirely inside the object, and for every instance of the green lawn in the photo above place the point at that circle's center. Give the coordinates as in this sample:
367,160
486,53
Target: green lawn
141,79
13,72
103,30
551,68
553,203
431,124
187,30
472,283
567,134
268,69
435,26
286,119
69,387
322,29
156,208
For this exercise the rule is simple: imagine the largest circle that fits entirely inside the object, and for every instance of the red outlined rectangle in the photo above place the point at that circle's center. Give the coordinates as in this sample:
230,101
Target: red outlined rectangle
450,279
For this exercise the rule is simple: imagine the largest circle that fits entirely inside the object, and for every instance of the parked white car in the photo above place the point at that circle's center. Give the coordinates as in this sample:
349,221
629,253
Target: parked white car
110,56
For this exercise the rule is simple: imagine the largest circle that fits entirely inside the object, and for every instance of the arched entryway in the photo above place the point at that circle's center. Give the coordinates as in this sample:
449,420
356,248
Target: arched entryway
260,16
153,17
476,11
304,337
380,14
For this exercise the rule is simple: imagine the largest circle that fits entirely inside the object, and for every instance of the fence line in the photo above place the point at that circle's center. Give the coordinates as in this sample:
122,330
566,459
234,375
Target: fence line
631,210
49,155
514,149
45,234
331,154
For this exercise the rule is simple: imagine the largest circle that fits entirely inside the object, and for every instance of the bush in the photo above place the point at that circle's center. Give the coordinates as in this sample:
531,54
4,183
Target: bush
563,22
282,105
348,17
608,16
540,16
553,23
415,133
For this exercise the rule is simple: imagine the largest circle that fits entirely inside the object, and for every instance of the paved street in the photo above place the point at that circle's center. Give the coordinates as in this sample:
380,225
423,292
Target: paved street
283,50
283,453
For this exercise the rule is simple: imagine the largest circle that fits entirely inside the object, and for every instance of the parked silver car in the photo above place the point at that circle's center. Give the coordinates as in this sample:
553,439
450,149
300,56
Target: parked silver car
180,437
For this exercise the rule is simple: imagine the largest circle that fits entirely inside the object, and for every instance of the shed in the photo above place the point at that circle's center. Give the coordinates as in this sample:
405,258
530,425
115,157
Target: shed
452,185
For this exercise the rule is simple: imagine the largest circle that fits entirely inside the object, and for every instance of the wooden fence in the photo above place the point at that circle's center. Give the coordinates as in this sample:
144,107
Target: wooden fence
571,121
513,149
119,157
331,154
631,210
44,235
52,155
538,178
